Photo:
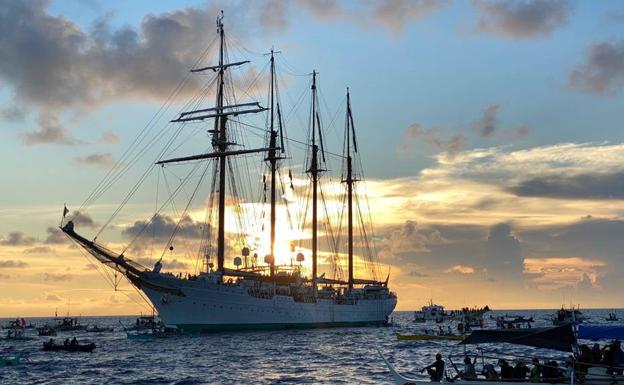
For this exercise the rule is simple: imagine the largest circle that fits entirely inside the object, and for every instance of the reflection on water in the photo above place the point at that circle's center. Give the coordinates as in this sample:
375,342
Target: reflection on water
317,356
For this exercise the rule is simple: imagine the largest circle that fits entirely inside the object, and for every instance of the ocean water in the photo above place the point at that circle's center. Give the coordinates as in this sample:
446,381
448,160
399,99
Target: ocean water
313,356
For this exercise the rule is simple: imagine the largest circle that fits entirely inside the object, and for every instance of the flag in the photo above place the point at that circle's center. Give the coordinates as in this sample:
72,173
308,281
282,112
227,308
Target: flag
65,210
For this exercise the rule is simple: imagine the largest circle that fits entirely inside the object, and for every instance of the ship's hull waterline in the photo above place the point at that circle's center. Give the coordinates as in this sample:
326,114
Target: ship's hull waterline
211,307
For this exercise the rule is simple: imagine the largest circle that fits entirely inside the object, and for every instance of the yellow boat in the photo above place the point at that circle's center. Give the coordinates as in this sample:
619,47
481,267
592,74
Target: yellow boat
429,337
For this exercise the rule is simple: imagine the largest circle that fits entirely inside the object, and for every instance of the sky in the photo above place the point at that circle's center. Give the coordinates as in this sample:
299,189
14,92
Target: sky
489,135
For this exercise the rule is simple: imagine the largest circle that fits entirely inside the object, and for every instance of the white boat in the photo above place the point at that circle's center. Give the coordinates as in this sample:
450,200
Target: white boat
430,312
258,296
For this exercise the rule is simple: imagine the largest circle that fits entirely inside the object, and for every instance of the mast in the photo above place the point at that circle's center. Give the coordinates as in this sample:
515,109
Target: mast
273,162
314,170
349,180
220,145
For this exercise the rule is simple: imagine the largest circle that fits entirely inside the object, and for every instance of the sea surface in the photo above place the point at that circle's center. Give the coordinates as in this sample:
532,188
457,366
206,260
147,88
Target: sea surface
313,356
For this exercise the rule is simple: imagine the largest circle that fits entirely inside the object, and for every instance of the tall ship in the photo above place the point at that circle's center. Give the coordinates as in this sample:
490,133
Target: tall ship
256,282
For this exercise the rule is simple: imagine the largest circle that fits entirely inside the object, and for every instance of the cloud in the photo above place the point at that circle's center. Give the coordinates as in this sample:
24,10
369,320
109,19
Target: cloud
559,272
162,226
83,220
17,238
10,264
53,298
602,73
109,137
172,264
38,250
431,136
56,277
13,114
394,15
50,131
460,269
102,160
488,123
521,19
55,236
408,238
573,186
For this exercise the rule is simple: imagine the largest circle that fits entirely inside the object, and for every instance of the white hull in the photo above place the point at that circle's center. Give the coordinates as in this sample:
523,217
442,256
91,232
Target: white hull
210,306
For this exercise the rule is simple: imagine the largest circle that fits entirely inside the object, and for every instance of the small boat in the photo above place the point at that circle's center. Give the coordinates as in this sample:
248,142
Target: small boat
19,323
68,324
100,329
565,316
150,334
51,346
429,337
431,312
17,335
46,331
513,322
612,317
145,322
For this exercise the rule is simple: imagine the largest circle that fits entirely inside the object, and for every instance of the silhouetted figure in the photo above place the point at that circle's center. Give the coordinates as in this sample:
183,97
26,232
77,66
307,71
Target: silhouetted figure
435,370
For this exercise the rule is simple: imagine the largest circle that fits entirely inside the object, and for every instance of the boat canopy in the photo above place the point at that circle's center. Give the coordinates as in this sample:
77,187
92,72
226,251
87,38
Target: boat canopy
556,338
598,332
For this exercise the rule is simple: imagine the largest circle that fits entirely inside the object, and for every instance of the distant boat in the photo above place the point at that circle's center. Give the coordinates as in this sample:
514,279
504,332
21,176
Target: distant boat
66,324
51,346
565,316
100,329
612,317
430,312
46,331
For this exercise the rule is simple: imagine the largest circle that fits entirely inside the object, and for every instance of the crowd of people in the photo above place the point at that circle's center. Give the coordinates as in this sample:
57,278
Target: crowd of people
610,357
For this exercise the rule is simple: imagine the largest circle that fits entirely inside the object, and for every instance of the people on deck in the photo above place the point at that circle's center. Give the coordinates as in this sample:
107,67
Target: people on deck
489,372
520,371
74,341
66,342
436,369
615,358
506,371
596,354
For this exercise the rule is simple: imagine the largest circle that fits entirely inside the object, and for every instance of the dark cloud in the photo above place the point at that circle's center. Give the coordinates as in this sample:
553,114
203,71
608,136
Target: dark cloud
12,114
521,19
103,160
431,136
503,253
10,264
83,220
17,238
55,236
602,73
408,238
578,186
162,226
488,123
56,277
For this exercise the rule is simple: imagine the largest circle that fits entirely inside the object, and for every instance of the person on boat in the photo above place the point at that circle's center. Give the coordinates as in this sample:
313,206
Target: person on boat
74,342
435,370
66,342
506,372
536,371
596,354
489,372
615,358
520,371
51,342
469,372
584,361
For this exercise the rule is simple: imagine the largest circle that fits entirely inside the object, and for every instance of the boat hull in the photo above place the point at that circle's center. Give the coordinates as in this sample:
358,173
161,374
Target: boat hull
212,307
